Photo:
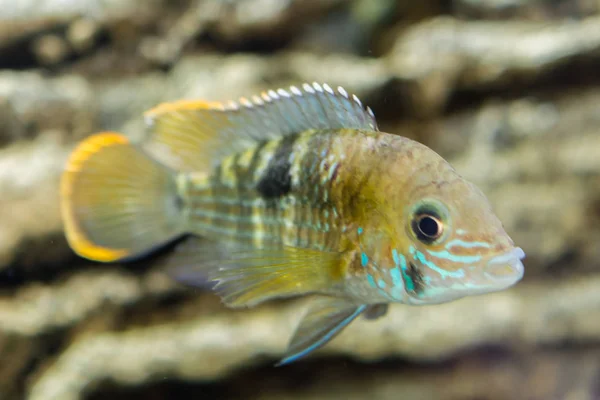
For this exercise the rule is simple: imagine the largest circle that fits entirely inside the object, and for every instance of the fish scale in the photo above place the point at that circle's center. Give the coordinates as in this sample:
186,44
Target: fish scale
238,210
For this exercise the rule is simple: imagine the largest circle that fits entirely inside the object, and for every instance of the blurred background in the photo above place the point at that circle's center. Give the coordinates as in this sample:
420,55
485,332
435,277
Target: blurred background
507,90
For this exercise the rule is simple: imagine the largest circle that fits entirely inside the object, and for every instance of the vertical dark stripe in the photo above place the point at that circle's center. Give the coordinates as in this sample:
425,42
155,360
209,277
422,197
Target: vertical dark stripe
238,195
244,181
317,144
276,181
217,189
248,176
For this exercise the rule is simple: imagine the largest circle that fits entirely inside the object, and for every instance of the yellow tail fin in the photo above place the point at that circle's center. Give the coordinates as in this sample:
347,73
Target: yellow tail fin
117,202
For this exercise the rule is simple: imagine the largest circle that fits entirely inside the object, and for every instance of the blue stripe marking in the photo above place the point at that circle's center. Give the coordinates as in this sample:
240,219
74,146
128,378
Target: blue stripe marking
398,287
364,259
410,284
462,243
456,274
395,257
452,257
381,283
371,280
396,278
326,338
360,231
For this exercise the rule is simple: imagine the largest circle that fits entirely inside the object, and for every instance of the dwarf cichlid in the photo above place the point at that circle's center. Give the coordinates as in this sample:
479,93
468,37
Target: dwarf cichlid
292,192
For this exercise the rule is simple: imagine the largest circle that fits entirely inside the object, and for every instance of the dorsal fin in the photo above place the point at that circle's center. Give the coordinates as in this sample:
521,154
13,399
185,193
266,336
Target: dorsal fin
194,135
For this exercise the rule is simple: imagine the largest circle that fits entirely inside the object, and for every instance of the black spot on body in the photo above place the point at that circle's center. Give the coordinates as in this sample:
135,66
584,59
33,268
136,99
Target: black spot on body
416,277
276,181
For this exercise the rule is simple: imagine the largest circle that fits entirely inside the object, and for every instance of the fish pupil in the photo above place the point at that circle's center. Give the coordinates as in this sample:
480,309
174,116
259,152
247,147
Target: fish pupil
427,228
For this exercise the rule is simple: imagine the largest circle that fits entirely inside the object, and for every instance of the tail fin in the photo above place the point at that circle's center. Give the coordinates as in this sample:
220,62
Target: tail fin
117,202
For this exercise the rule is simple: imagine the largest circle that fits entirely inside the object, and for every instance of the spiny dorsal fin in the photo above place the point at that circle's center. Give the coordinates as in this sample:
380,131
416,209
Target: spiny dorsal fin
195,135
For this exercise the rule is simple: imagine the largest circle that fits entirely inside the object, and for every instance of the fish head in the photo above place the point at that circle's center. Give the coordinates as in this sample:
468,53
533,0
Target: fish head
451,243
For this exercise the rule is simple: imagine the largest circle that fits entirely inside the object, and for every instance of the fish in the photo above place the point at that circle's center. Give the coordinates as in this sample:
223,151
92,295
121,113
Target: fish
283,194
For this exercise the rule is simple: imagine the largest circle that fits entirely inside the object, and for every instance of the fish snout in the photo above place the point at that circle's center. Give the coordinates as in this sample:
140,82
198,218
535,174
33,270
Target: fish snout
506,268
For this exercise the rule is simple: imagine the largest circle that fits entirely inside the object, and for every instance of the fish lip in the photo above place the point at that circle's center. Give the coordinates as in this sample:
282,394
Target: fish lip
496,268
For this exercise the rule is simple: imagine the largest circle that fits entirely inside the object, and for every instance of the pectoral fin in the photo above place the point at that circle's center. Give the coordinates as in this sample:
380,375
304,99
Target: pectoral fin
326,318
246,275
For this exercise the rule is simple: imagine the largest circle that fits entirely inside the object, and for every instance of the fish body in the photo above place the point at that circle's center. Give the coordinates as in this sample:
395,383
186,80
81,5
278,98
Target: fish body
289,193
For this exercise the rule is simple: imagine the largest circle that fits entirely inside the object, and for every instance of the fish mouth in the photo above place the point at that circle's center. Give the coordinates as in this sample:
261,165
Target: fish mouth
507,268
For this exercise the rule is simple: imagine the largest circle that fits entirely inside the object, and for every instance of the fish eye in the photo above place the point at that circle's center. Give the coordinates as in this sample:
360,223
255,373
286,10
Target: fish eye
427,223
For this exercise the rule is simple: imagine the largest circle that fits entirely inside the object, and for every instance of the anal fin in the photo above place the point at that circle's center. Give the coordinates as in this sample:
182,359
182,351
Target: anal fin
325,319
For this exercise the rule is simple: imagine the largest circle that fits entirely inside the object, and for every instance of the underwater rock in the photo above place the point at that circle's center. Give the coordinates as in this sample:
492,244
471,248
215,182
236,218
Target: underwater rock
33,10
213,344
441,55
530,9
44,119
485,374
